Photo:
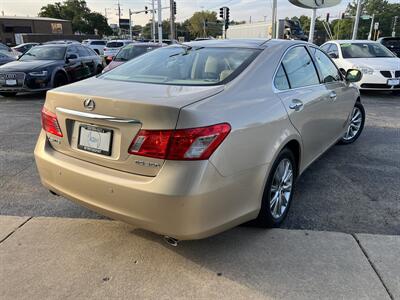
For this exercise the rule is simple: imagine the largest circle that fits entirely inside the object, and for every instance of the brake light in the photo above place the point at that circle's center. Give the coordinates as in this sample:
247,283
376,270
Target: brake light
50,123
181,144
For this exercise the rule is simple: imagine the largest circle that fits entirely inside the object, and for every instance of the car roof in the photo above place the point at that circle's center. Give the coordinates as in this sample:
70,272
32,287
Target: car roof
351,41
244,43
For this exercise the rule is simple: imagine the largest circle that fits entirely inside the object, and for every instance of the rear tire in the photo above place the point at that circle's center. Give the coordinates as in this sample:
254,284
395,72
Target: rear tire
59,80
8,94
356,125
278,192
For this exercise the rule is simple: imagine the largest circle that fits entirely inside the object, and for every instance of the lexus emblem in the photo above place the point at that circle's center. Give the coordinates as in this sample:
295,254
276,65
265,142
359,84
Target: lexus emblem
89,104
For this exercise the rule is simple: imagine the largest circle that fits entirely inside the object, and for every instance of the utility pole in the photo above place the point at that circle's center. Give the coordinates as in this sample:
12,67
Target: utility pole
357,20
159,21
119,13
153,20
312,25
172,18
274,17
371,27
130,24
396,18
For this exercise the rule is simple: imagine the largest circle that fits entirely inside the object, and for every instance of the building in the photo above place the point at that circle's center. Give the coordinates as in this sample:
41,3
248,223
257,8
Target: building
12,27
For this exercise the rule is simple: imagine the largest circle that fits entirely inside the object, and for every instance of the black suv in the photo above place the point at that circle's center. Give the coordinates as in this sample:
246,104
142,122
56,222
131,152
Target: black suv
48,66
392,43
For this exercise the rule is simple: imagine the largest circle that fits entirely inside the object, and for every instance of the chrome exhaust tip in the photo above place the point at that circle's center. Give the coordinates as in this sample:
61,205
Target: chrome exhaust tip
171,241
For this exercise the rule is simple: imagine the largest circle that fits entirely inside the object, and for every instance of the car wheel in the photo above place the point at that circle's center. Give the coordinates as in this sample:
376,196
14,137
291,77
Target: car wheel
60,80
278,192
8,94
356,125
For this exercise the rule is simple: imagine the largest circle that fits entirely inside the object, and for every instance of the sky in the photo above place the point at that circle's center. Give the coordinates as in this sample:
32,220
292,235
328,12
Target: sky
240,10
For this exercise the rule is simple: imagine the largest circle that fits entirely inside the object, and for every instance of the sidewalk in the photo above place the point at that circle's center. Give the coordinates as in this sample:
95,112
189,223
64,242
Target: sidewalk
78,258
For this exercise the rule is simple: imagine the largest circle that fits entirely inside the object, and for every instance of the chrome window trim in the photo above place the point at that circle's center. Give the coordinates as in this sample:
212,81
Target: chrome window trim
96,116
275,89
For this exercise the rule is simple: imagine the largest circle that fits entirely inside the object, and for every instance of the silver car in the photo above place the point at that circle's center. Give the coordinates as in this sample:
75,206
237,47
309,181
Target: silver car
190,140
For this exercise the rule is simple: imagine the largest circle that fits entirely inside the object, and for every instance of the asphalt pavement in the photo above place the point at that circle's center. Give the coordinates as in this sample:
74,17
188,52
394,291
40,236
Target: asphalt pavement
350,189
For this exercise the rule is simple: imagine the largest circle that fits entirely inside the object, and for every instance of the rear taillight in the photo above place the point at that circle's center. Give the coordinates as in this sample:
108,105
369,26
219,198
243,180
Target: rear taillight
181,144
50,123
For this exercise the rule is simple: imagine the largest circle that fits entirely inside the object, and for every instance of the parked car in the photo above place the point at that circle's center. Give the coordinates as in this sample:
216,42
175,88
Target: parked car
48,66
129,52
392,43
4,49
96,45
112,48
61,42
380,67
190,140
22,48
6,59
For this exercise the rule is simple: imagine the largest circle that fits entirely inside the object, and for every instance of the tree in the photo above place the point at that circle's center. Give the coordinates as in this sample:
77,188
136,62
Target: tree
384,14
82,19
204,24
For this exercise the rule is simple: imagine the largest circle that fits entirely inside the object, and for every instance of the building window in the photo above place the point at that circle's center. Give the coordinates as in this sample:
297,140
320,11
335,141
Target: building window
56,28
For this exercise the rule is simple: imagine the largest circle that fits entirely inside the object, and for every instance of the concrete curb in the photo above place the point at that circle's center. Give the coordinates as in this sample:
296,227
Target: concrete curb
80,258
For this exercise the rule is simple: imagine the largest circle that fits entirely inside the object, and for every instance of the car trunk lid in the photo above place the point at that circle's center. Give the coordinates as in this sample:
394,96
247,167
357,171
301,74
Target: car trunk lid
118,110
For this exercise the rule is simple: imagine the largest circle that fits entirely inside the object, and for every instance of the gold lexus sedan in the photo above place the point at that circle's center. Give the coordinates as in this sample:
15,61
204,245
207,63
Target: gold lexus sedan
190,140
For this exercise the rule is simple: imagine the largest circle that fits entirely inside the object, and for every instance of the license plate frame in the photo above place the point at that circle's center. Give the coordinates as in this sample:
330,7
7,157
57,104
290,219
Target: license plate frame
95,139
11,82
393,81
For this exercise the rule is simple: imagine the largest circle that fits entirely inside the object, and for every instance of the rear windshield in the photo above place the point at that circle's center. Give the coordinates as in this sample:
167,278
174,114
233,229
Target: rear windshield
114,44
185,65
364,50
98,43
132,51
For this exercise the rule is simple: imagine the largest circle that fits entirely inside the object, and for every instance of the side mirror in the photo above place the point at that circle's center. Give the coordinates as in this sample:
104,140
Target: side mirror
71,56
353,75
333,55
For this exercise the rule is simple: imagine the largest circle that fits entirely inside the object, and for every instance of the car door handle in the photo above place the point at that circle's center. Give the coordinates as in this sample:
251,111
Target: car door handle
296,105
332,95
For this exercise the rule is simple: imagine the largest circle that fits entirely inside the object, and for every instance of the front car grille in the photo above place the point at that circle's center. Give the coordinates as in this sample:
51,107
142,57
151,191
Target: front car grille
6,78
386,74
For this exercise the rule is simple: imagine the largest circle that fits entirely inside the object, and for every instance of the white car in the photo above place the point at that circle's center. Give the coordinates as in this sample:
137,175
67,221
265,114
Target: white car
96,45
379,66
112,48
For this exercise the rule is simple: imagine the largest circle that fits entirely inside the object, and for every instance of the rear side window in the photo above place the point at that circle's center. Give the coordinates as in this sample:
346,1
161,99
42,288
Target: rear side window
98,43
299,68
115,44
281,81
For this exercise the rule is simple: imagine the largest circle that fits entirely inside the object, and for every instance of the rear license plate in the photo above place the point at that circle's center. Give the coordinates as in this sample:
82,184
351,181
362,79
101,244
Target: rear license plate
95,139
392,82
11,82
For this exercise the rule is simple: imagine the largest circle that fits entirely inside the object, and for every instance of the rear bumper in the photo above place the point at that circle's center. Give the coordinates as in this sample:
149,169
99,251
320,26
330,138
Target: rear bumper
186,200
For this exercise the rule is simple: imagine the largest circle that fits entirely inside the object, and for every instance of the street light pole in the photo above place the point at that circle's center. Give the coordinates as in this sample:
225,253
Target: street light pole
312,25
159,21
371,27
357,20
172,18
274,17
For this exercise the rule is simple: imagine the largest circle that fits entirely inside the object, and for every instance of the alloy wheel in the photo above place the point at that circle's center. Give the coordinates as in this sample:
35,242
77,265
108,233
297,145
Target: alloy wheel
281,188
355,124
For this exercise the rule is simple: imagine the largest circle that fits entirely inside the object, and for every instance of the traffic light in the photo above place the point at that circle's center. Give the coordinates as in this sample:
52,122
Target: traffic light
327,18
226,17
145,10
221,12
174,8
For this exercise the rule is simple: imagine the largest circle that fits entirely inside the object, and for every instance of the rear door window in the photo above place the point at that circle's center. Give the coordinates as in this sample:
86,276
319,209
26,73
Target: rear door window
114,44
300,68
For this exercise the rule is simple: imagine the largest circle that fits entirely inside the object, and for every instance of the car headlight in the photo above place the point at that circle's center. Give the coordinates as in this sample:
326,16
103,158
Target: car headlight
364,69
42,73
